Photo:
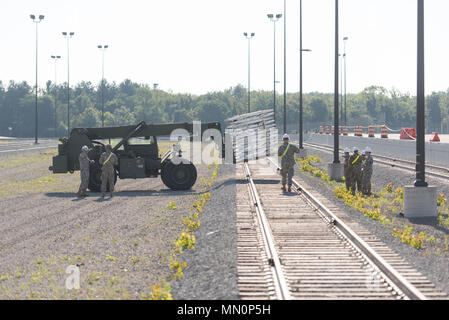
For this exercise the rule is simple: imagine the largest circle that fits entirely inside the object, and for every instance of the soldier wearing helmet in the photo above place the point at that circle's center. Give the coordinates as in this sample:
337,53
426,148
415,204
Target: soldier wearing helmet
287,153
367,172
108,160
355,166
84,171
347,172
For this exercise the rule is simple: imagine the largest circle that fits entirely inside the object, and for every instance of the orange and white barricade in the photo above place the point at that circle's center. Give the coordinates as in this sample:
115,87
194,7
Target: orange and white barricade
371,132
321,129
339,130
345,130
333,130
358,131
327,130
384,132
408,134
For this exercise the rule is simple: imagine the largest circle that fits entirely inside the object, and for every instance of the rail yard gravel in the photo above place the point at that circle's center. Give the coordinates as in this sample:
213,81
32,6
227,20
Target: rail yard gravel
121,245
433,266
211,271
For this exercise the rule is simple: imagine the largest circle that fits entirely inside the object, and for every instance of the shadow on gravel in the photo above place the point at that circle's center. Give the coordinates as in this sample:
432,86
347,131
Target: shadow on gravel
62,195
433,222
266,181
126,193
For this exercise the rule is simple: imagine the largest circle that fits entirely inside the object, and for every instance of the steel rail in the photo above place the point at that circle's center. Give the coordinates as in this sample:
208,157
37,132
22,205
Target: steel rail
408,289
273,257
391,161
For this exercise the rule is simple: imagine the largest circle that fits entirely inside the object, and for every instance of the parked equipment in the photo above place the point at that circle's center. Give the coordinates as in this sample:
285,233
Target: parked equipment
137,151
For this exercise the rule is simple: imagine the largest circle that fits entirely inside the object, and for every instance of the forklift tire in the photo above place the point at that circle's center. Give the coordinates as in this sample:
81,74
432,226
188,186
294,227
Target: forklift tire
95,178
178,177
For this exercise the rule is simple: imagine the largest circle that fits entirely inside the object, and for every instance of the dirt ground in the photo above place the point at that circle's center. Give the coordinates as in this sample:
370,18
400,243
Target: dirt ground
121,245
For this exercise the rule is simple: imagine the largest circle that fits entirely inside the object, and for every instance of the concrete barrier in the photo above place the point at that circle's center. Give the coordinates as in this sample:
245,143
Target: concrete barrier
436,153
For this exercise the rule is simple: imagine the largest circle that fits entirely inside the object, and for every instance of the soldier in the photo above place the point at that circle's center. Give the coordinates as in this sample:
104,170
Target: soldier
367,172
286,152
108,160
355,166
84,171
347,172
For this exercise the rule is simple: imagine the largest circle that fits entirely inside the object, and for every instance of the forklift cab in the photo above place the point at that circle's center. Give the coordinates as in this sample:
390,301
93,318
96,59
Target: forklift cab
138,158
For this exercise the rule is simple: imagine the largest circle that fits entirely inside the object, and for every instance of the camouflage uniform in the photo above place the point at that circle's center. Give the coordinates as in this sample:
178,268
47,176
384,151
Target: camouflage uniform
84,173
108,171
367,173
347,172
355,166
287,163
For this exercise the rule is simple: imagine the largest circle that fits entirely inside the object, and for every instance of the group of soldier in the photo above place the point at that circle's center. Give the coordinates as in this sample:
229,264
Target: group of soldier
107,161
358,170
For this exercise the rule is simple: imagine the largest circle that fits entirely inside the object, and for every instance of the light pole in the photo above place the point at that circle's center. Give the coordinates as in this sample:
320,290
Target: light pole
341,86
55,58
421,104
336,136
33,17
420,200
344,61
249,67
336,168
68,35
103,49
301,50
285,68
274,19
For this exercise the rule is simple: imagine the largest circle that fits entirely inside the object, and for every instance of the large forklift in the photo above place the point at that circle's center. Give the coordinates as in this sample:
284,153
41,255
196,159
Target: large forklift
137,152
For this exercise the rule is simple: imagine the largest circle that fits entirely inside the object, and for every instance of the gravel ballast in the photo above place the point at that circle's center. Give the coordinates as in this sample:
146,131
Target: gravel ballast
121,245
432,265
211,271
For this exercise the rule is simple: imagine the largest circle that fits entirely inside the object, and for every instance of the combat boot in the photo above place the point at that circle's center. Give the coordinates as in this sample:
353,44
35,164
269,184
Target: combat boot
289,188
283,188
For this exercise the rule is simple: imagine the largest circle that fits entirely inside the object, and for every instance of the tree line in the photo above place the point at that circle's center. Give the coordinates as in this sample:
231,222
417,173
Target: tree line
129,102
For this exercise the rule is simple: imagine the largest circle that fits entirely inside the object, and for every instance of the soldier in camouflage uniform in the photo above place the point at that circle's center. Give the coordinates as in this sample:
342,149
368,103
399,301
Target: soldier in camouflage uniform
108,160
287,151
355,166
367,170
84,171
347,172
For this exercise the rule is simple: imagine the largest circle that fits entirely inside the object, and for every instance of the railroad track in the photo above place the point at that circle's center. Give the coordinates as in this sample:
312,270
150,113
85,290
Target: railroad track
300,246
436,171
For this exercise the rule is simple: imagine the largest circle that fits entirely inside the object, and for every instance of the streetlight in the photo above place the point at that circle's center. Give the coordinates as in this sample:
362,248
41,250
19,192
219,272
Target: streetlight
249,67
336,125
335,169
285,68
420,199
344,60
55,58
301,50
103,49
421,104
274,18
33,17
68,36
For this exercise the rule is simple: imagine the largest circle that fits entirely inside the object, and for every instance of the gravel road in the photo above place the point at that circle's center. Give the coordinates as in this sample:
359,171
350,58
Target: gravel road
211,271
430,263
121,245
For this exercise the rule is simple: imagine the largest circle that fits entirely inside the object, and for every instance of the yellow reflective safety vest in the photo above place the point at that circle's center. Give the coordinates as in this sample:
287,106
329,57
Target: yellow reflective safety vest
356,159
107,159
286,150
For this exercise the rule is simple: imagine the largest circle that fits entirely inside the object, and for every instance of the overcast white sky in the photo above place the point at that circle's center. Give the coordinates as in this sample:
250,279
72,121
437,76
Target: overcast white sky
197,46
